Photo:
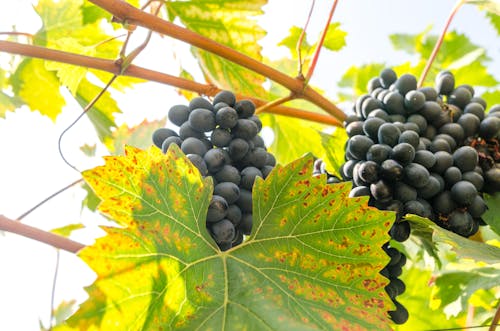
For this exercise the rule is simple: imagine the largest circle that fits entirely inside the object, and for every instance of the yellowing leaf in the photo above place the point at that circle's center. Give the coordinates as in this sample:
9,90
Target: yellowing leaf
311,263
38,87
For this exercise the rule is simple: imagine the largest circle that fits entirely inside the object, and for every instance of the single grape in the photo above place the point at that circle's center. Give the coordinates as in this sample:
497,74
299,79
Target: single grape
226,118
368,171
416,175
463,193
215,160
248,176
425,158
461,222
452,175
489,127
223,231
404,153
238,148
391,170
387,77
359,191
246,223
358,146
400,231
228,190
381,190
217,209
178,114
221,137
405,83
444,160
245,108
378,153
388,134
199,163
193,146
460,97
159,136
410,137
475,108
431,110
245,201
245,129
394,103
234,214
187,131
200,102
227,97
445,83
465,158
414,100
400,315
430,93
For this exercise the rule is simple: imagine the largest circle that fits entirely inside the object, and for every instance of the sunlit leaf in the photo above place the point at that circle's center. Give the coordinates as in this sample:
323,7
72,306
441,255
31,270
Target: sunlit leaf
335,38
463,247
306,266
356,79
491,216
138,136
37,87
333,144
460,285
231,23
495,21
417,299
102,113
492,6
491,98
285,146
292,40
89,150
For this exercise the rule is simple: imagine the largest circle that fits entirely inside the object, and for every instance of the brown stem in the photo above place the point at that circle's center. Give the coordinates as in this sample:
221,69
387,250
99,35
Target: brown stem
307,115
320,43
496,319
276,102
48,238
143,73
47,199
16,33
127,13
433,55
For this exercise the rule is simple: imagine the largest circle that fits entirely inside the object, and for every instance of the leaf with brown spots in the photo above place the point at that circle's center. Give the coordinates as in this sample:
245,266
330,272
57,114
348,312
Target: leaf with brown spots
311,262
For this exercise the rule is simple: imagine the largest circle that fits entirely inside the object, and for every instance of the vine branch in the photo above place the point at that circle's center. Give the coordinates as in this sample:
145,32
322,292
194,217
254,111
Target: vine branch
46,237
496,318
433,55
132,15
150,75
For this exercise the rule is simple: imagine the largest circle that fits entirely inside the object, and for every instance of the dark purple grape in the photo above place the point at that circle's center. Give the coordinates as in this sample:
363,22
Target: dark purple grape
227,97
465,158
404,153
226,118
416,175
223,231
388,134
228,190
245,108
178,114
463,193
217,209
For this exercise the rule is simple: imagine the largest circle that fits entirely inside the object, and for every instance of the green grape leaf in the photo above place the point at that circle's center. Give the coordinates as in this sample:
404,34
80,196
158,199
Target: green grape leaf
102,113
491,98
312,261
8,103
355,79
461,285
285,146
335,38
228,22
91,200
37,87
334,143
417,298
138,136
291,41
491,216
495,21
463,247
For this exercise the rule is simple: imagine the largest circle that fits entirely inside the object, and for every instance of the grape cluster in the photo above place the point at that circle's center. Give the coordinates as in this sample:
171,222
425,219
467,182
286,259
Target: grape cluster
428,151
221,139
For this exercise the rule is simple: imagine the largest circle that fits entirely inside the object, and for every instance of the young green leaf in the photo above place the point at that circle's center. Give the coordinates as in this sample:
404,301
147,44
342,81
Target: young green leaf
312,261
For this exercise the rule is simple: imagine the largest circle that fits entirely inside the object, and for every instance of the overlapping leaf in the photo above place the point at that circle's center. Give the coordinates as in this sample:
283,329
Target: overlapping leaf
311,262
229,22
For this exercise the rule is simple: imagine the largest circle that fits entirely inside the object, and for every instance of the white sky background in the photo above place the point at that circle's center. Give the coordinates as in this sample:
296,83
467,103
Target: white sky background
31,168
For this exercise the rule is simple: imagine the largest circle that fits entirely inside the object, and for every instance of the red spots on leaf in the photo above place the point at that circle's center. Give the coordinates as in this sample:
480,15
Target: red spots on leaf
283,222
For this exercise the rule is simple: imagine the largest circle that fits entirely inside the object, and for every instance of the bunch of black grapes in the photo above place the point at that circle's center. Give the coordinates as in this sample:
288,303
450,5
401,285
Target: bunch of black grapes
430,151
221,139
392,270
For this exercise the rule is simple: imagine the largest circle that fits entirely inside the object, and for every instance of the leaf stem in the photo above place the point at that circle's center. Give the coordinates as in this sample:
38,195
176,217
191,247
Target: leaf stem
433,55
48,238
47,199
298,47
53,293
127,13
151,75
319,46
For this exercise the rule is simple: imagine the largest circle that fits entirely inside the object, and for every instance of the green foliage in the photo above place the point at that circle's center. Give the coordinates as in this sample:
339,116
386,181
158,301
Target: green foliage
227,22
309,265
495,21
491,216
356,79
417,298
